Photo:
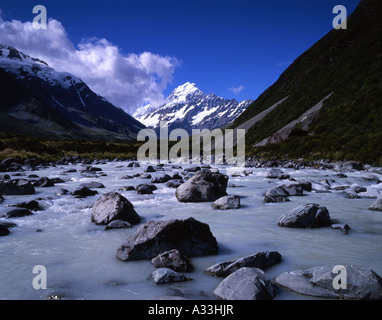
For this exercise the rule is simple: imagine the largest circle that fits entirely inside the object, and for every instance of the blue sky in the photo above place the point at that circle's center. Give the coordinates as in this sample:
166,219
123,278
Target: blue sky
220,45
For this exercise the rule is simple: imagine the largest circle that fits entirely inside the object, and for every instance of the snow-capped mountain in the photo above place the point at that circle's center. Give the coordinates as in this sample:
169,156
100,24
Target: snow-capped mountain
37,100
189,108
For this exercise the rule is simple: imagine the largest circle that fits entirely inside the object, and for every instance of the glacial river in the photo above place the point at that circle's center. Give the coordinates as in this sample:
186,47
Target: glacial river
80,257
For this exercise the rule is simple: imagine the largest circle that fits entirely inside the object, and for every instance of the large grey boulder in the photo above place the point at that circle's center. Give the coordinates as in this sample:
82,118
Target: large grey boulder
274,173
226,203
189,236
310,215
246,284
361,282
259,260
377,205
203,186
113,206
16,187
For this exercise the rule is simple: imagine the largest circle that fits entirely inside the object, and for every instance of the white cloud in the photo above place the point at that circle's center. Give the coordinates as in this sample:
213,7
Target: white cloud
128,81
237,90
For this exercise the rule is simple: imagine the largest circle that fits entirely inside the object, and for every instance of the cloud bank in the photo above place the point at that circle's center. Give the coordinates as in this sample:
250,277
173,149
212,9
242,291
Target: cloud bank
128,81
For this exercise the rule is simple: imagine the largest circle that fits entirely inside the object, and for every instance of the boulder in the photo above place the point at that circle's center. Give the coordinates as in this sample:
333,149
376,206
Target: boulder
274,173
30,205
113,206
16,187
166,275
83,192
277,194
174,260
361,282
259,260
377,205
246,284
19,212
161,179
202,187
174,183
371,177
310,215
189,236
43,182
3,231
145,188
227,202
118,224
93,184
150,169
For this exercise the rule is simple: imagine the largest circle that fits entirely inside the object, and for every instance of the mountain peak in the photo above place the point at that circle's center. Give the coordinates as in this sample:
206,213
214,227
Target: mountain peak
181,93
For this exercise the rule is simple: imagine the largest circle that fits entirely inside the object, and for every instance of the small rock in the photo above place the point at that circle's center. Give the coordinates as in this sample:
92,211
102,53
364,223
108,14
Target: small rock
227,202
344,227
93,184
16,187
377,205
83,192
3,231
16,213
274,173
43,182
174,260
30,205
166,275
145,188
150,169
118,224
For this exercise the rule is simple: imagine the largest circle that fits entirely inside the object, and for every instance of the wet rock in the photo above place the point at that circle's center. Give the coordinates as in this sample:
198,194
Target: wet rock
17,213
161,179
174,183
202,187
118,224
126,177
274,173
145,188
3,231
150,169
306,216
43,182
62,192
192,169
166,275
277,194
30,205
174,260
361,282
259,260
352,166
343,227
93,184
190,237
377,205
16,187
145,176
133,164
227,202
371,177
283,176
83,192
113,206
127,188
246,284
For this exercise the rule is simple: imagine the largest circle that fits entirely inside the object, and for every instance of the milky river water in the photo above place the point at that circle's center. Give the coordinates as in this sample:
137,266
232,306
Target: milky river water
80,257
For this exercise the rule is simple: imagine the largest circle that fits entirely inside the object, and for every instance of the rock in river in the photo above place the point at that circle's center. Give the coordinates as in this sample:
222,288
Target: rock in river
166,275
227,202
259,260
189,236
246,284
174,260
310,215
377,205
113,206
16,187
361,282
203,186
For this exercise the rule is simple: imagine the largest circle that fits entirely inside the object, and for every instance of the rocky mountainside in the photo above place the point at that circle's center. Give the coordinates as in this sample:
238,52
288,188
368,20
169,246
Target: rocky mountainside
328,103
37,100
189,108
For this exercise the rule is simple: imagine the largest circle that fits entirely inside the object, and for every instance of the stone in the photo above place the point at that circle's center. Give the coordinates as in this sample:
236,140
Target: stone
118,224
203,187
93,184
43,182
113,206
30,205
259,260
150,169
174,183
3,231
83,192
343,227
226,203
310,215
167,275
161,179
377,205
17,213
277,194
371,177
361,282
274,173
145,188
246,284
189,236
174,260
16,187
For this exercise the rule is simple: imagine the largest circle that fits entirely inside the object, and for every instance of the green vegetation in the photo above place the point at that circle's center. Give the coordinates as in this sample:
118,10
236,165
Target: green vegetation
349,126
25,147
